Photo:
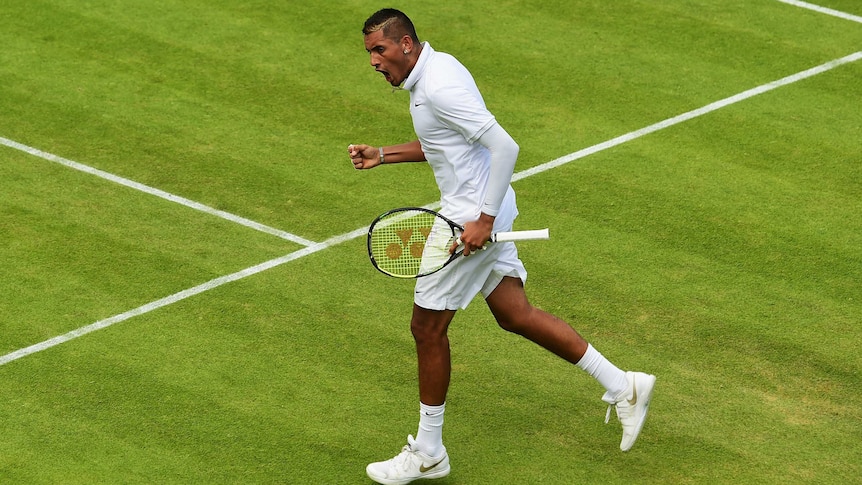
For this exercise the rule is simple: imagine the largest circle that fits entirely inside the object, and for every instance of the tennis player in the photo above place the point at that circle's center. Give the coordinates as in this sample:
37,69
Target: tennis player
473,159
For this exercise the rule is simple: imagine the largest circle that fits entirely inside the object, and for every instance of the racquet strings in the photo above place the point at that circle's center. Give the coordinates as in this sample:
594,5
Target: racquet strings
411,243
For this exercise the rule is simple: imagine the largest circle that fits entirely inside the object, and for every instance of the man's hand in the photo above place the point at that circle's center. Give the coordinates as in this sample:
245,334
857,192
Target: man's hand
476,234
363,156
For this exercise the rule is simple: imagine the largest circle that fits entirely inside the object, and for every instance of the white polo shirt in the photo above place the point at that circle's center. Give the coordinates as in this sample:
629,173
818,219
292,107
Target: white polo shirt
449,115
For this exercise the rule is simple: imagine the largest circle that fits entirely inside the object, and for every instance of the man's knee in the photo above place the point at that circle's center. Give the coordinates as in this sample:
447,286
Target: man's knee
515,321
423,331
429,325
510,306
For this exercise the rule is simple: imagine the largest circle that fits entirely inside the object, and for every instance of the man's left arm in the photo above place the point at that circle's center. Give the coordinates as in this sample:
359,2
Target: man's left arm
504,153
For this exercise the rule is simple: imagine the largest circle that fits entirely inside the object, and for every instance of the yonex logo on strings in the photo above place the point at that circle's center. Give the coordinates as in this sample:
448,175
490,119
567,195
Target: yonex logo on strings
395,250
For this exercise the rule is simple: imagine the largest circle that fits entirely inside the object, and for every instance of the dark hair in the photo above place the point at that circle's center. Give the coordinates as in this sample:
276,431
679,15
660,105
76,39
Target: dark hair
394,23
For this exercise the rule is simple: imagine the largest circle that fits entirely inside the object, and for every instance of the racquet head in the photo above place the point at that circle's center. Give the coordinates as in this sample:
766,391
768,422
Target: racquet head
411,242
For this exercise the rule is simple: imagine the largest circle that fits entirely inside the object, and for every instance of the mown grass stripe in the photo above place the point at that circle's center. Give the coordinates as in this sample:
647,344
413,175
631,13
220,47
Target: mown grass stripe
315,247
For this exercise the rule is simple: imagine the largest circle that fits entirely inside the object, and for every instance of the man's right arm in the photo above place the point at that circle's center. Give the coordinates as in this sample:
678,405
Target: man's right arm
365,156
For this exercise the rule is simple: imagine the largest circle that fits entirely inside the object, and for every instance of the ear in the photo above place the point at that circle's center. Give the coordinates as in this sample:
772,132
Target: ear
407,44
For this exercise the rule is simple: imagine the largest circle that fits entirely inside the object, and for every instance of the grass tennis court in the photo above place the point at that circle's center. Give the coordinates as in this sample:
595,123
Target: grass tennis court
177,204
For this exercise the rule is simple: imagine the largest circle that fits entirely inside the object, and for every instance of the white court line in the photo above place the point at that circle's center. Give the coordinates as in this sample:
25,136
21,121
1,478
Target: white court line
182,295
157,192
362,231
687,116
828,11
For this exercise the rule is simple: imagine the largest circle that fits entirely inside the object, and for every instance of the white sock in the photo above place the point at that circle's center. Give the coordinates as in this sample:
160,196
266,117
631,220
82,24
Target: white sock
610,376
429,438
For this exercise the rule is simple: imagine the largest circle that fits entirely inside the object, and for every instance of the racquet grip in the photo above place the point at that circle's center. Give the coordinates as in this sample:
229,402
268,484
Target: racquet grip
520,235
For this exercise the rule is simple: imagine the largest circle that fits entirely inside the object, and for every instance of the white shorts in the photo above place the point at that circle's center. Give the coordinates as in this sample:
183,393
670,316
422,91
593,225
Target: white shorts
456,285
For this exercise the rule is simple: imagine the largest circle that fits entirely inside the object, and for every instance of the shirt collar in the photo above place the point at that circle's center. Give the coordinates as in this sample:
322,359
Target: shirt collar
419,68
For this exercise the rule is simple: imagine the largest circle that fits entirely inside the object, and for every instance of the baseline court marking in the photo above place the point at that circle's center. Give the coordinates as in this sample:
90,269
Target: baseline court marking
687,116
827,11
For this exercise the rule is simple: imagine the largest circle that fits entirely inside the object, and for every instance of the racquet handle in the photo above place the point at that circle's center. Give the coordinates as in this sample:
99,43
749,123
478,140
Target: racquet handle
520,235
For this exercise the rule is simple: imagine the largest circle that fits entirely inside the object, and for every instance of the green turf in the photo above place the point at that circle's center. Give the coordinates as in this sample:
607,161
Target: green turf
722,254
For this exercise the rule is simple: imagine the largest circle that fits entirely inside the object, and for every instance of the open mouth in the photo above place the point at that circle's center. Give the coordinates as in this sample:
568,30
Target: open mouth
386,75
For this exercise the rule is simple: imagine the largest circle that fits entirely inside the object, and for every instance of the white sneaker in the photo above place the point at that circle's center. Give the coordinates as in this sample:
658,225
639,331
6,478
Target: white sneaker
632,409
411,464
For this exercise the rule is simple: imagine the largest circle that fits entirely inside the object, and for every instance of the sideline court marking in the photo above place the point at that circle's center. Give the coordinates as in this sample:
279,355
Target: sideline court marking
157,192
315,247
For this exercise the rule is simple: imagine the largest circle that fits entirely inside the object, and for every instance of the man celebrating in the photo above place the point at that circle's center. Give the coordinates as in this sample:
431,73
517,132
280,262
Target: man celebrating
473,159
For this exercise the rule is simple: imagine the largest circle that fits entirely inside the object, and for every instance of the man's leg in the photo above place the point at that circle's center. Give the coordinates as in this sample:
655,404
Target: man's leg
514,313
425,456
430,331
508,302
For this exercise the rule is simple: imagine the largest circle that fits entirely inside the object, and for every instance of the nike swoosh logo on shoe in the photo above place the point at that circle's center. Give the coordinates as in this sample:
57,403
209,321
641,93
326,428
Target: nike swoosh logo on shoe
634,399
423,468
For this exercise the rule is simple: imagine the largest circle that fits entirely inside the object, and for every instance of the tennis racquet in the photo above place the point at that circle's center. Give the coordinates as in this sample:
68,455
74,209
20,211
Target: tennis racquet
411,242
